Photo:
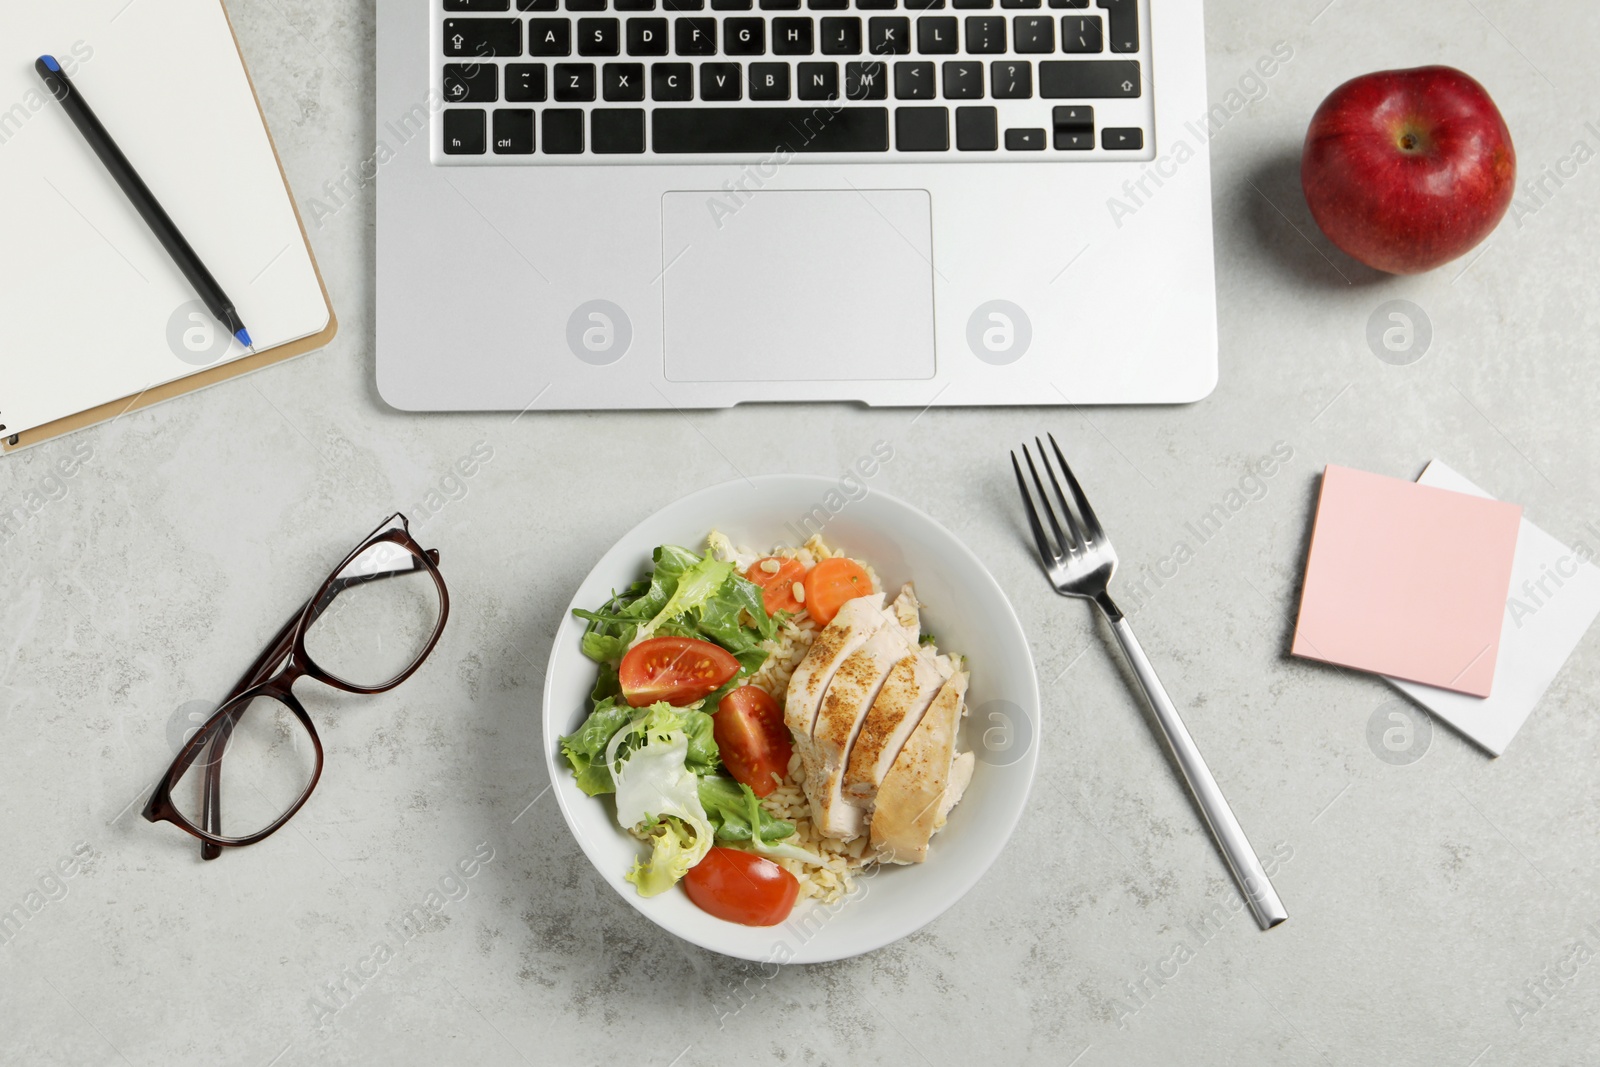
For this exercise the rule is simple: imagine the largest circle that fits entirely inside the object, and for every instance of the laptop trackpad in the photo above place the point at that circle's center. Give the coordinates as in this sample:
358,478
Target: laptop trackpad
785,285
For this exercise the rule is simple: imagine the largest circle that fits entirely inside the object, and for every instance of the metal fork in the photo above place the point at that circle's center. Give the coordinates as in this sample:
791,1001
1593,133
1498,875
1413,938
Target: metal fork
1079,561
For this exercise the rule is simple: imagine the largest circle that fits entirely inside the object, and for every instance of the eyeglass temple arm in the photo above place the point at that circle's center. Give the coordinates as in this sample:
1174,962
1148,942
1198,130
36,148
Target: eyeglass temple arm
279,647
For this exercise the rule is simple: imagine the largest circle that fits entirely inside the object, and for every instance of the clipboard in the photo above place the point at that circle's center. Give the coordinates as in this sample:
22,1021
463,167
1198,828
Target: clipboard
217,372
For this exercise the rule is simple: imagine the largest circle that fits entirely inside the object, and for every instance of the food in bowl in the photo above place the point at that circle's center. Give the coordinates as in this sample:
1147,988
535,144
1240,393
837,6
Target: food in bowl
768,725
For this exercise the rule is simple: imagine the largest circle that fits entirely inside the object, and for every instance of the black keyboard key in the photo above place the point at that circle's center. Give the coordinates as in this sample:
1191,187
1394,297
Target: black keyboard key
1081,33
914,81
671,81
963,80
647,37
1025,140
866,81
633,5
986,35
977,129
780,5
877,5
922,129
622,81
471,83
749,130
562,131
1020,3
721,81
477,5
971,5
1122,138
841,36
1073,127
538,5
1124,28
464,132
525,82
616,131
793,37
574,81
769,81
1069,3
695,36
586,5
549,37
889,35
924,5
731,5
513,131
828,5
483,37
683,5
817,81
1033,33
1011,79
937,35
1088,79
744,36
599,37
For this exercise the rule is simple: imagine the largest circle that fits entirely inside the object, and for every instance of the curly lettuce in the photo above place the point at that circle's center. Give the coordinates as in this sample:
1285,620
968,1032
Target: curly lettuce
658,797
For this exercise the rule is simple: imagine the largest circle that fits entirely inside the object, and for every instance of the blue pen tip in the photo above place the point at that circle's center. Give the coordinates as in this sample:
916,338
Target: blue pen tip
50,61
243,337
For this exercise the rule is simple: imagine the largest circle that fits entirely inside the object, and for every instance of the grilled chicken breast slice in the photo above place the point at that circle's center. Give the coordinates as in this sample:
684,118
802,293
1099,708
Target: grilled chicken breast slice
849,697
925,780
856,621
912,684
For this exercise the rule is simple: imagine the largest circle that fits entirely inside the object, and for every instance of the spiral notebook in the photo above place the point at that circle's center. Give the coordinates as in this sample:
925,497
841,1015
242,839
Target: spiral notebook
95,318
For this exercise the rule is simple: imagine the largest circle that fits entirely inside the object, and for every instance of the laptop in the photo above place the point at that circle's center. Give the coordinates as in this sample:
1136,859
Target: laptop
633,204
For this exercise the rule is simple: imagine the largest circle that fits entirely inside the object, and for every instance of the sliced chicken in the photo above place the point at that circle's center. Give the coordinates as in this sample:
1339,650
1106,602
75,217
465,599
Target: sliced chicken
912,684
925,781
855,622
845,705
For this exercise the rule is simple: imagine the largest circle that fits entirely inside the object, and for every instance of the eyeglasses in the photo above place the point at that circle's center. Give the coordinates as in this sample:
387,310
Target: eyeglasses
367,629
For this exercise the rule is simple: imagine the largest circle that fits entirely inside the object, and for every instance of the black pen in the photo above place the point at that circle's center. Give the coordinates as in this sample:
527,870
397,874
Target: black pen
83,117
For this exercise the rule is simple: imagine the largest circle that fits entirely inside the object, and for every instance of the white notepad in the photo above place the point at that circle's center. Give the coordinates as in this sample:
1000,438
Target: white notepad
1554,598
92,308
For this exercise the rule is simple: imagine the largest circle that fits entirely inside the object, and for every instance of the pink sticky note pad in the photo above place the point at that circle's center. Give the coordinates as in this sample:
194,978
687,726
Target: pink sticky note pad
1407,580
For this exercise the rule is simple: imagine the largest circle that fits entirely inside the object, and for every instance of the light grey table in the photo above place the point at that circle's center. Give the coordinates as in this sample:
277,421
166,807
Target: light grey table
1444,910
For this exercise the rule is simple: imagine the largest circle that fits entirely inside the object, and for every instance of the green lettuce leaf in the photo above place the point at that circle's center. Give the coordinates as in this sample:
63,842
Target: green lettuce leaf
658,796
737,814
585,748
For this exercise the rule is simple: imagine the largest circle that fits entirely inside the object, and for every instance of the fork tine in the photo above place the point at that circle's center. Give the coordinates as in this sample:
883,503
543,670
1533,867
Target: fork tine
1079,538
1090,522
1068,541
1047,552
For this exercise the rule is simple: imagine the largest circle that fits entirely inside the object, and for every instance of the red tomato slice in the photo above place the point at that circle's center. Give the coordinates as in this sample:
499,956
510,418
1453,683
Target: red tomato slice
742,887
777,588
833,582
754,742
679,670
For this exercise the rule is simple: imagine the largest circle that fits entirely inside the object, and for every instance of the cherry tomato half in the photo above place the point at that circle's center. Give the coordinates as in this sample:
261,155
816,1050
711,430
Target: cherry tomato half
742,887
777,588
833,582
679,670
753,741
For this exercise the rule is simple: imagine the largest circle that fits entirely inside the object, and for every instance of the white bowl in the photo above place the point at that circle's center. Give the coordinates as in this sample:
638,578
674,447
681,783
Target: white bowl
966,611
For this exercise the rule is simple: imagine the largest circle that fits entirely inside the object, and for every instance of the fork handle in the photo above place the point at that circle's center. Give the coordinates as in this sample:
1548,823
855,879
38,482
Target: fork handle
1242,861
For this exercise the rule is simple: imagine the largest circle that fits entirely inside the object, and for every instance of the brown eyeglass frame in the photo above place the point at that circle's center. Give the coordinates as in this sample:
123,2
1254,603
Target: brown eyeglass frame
287,653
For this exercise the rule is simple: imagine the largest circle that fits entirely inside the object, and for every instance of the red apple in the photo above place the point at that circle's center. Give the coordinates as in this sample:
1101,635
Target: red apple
1408,169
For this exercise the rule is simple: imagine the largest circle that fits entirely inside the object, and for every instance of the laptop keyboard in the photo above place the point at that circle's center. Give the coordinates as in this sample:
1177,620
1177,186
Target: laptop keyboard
595,81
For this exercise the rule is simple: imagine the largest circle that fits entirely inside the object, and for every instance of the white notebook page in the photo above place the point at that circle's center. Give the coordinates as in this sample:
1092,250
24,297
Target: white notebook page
91,307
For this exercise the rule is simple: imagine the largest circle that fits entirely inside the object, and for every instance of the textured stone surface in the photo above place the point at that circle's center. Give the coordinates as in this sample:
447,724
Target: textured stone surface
1424,897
